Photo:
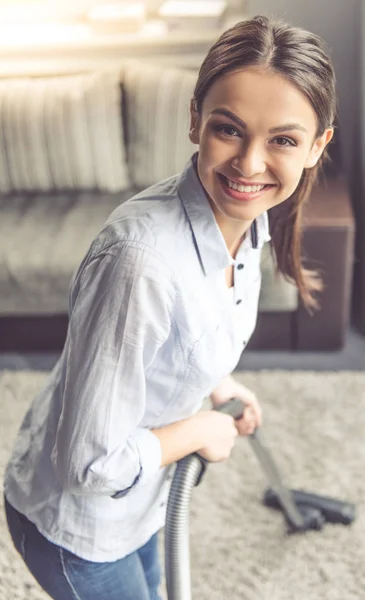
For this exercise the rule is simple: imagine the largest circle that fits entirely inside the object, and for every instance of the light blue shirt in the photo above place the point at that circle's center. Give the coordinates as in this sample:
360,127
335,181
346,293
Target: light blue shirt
153,329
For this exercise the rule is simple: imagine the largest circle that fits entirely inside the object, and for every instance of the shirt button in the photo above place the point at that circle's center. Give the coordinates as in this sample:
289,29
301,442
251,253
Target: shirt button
238,301
244,342
240,266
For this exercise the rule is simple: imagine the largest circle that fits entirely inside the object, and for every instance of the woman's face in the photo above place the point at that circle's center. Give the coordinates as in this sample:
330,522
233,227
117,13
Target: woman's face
256,132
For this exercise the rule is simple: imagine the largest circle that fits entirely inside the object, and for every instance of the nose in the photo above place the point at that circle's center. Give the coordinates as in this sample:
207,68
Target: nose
250,160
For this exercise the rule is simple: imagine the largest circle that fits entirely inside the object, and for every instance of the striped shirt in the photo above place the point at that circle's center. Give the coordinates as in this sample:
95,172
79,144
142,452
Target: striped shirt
153,329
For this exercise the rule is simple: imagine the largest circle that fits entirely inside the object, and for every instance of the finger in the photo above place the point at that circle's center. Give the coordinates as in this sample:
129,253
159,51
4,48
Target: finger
255,409
250,415
250,423
247,430
246,426
251,427
247,419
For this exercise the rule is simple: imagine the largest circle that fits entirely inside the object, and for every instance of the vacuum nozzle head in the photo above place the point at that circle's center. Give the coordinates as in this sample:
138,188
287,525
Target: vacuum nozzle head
312,519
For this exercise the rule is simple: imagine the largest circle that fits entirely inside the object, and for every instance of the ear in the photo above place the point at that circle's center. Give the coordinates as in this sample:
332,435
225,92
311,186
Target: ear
194,123
318,148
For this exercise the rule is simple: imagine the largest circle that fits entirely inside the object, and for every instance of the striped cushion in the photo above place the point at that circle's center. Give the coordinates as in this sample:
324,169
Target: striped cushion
62,133
157,101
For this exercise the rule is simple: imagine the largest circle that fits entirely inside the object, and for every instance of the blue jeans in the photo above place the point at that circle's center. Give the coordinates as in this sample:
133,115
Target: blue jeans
65,576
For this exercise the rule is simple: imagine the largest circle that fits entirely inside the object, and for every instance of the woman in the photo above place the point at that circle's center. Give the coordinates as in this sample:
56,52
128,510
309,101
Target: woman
160,311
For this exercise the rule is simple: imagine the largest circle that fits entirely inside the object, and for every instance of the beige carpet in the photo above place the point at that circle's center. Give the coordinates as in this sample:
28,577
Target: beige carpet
315,426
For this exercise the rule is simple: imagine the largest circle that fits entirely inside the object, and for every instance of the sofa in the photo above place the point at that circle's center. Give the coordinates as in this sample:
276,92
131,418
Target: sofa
75,146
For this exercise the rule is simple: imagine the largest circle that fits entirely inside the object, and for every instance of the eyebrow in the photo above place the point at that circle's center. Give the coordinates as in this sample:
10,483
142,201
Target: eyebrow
286,127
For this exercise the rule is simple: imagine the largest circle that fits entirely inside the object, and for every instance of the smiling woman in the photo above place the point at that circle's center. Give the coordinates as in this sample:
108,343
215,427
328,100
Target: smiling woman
263,113
262,157
154,329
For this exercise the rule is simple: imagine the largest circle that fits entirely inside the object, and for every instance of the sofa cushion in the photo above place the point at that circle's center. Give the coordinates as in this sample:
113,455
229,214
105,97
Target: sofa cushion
62,133
156,117
277,294
42,242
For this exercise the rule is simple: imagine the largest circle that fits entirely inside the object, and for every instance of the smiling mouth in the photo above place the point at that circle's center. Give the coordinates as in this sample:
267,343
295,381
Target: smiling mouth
247,188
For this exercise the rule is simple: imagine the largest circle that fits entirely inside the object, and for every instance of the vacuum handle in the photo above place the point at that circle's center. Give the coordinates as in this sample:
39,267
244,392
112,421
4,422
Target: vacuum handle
233,407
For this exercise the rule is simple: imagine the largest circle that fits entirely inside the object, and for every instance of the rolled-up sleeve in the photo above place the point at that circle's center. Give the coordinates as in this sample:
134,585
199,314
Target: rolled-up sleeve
120,316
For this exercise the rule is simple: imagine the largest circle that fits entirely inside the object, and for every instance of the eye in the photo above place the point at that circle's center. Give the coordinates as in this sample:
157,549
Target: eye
228,130
284,141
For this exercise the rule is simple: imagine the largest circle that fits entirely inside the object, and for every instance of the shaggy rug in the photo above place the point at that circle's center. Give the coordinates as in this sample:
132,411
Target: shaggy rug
314,424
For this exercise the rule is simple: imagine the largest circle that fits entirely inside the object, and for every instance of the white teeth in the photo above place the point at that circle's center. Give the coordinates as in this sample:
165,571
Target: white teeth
244,188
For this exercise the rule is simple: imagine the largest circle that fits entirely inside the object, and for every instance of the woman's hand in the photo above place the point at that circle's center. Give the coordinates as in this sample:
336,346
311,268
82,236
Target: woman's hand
218,434
252,416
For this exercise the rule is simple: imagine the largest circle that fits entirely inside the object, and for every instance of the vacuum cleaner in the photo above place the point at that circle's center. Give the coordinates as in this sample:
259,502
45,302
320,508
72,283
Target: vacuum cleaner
303,511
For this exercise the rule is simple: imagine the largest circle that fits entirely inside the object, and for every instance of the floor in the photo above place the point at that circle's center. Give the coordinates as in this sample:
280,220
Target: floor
351,357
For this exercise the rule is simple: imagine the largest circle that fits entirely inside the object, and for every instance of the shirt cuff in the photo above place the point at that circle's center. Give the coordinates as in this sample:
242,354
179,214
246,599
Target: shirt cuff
150,453
150,456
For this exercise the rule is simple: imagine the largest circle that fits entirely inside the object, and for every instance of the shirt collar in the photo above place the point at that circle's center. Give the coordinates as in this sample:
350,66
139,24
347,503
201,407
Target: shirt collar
208,238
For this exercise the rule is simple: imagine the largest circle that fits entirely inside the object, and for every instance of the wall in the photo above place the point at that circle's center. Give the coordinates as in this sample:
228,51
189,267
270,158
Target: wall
341,23
359,188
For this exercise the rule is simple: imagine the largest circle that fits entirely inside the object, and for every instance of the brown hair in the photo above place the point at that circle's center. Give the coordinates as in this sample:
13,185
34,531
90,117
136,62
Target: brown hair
300,57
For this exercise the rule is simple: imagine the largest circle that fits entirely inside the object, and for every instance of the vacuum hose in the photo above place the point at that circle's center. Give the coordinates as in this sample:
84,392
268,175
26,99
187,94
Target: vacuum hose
302,510
188,473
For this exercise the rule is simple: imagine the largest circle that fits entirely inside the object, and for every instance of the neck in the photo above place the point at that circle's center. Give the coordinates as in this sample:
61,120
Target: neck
234,232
